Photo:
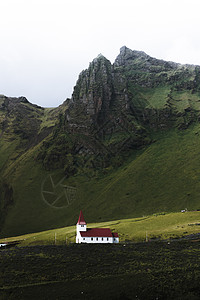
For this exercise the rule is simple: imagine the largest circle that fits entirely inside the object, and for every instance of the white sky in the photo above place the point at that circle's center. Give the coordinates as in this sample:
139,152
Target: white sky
45,44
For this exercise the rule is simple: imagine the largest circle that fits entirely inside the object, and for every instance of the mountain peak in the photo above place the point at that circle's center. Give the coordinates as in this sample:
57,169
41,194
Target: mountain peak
99,58
127,54
100,55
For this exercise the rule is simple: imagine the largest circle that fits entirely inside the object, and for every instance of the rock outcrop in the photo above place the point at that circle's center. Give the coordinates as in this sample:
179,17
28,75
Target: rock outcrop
145,89
94,88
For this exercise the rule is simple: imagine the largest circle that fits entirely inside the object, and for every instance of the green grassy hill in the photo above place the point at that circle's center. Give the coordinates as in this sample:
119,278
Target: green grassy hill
157,226
126,145
161,177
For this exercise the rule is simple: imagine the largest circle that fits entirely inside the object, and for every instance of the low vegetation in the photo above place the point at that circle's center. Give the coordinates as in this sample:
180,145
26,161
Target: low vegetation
157,270
161,226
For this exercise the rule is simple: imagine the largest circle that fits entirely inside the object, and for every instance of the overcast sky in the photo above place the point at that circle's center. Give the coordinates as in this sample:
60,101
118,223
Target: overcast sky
45,44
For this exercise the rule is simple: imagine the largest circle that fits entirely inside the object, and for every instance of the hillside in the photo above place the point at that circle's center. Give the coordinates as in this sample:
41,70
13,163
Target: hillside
161,226
125,145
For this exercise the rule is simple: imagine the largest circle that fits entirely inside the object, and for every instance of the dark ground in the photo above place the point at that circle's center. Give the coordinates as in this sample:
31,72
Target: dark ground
154,270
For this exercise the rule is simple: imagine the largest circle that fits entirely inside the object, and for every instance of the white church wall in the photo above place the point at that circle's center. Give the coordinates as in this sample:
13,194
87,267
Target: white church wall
93,240
97,240
115,240
81,227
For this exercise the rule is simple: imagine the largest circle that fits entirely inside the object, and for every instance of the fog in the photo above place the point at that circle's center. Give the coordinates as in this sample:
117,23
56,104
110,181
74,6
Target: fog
46,44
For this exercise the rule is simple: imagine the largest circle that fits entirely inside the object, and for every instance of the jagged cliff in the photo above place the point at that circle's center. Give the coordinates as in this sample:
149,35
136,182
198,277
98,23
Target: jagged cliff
146,88
127,140
94,88
117,106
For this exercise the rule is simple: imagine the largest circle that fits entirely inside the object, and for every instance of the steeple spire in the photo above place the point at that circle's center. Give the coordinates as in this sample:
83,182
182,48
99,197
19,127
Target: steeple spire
81,220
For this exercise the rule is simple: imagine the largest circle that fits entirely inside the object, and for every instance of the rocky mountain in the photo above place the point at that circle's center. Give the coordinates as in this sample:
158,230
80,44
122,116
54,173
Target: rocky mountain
116,107
126,142
131,85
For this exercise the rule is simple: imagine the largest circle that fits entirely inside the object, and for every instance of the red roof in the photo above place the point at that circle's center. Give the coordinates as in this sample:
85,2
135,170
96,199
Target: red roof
96,232
115,234
81,220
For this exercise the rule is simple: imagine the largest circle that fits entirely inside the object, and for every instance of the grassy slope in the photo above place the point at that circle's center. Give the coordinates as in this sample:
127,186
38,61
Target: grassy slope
164,177
162,226
18,167
7,150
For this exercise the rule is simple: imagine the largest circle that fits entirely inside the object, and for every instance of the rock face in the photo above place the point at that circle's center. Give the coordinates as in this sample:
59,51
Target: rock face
127,55
114,108
145,89
94,88
20,117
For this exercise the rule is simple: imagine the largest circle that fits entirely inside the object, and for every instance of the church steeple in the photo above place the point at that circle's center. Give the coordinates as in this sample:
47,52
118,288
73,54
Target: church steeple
81,220
80,226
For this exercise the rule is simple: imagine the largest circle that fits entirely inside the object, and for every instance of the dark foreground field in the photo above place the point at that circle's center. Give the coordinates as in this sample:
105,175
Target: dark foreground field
154,270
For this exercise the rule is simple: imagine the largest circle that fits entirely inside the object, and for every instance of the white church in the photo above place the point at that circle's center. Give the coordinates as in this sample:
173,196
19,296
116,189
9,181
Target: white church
94,235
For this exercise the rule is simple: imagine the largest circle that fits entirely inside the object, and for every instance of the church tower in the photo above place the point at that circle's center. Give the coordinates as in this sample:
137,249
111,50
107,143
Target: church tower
80,226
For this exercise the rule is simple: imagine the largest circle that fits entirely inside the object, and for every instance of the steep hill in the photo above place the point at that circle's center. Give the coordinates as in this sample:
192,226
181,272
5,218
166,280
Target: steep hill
125,145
